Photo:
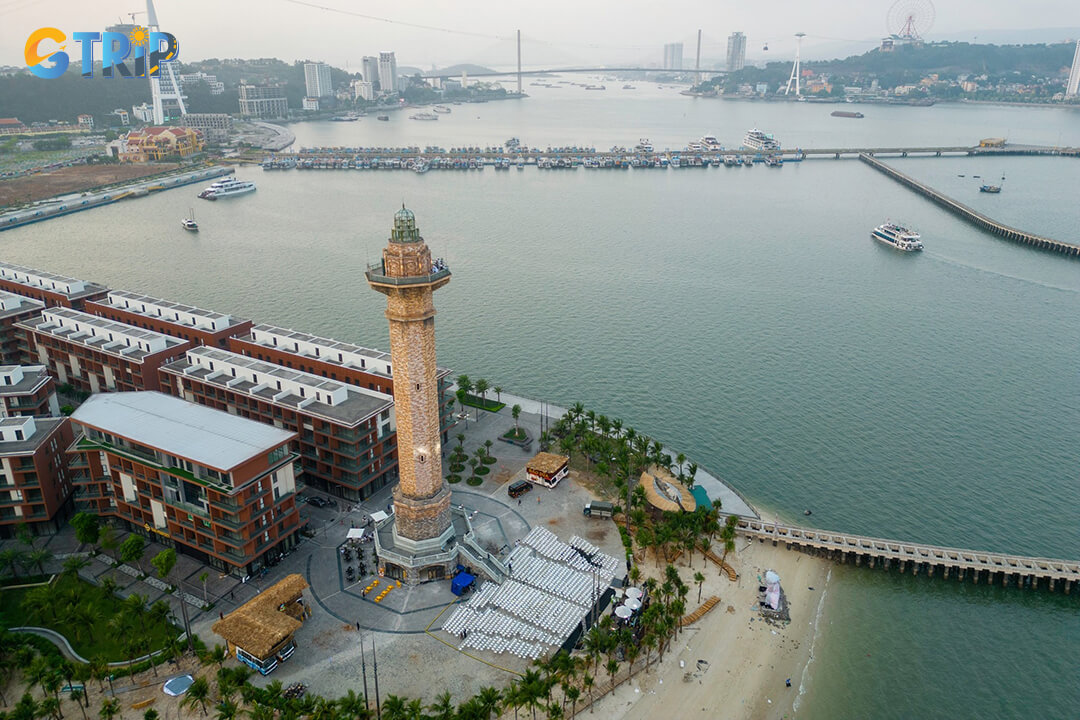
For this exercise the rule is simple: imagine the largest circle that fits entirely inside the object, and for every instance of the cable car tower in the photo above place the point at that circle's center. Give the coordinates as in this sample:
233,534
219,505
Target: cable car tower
796,69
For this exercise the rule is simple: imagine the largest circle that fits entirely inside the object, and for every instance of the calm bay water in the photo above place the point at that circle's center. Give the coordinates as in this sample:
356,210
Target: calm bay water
743,316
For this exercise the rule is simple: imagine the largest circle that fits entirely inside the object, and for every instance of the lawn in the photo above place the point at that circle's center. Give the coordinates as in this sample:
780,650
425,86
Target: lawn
483,404
94,622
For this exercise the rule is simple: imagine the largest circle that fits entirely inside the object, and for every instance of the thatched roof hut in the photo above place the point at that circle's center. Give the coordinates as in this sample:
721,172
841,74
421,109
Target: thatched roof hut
261,625
665,493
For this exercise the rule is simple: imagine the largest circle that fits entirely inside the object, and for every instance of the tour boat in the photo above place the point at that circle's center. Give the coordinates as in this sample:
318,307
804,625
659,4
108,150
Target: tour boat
644,146
227,188
710,142
898,237
757,140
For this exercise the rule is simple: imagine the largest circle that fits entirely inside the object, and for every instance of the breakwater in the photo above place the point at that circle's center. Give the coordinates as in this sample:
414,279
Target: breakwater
75,203
972,216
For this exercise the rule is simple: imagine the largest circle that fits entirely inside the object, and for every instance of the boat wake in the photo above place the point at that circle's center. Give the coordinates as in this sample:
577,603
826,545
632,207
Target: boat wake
817,633
977,268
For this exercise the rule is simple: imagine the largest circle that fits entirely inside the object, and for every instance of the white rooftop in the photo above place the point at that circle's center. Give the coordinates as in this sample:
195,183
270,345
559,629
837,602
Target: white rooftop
10,302
169,311
203,435
104,334
45,280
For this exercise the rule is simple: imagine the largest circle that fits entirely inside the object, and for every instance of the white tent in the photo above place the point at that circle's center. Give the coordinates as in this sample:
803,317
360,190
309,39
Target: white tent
355,534
378,516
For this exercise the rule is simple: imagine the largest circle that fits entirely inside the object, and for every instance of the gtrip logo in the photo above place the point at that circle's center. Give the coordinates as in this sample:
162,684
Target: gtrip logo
147,51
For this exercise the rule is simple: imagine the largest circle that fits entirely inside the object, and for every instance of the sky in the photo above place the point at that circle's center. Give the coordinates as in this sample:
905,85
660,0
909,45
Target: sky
555,32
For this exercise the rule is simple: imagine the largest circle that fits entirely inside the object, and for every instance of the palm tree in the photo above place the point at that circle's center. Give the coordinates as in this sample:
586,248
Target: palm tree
108,540
77,695
587,683
74,564
515,412
394,707
700,580
573,694
481,388
612,667
351,706
489,701
532,688
197,692
727,536
442,708
38,558
513,696
12,559
203,578
151,714
51,707
227,709
110,708
265,712
217,656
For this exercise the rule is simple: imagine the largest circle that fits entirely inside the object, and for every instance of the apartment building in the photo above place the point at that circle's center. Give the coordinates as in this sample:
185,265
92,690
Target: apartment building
34,480
14,309
217,487
345,434
200,327
27,390
52,289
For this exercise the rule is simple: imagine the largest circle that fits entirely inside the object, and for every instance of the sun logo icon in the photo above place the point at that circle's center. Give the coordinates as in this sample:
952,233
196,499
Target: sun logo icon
138,37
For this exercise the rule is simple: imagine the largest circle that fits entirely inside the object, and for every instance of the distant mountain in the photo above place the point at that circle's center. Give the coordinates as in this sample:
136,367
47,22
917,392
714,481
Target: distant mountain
466,68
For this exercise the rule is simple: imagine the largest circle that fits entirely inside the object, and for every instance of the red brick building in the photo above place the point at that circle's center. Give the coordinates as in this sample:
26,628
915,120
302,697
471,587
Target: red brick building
201,327
214,486
27,390
52,289
94,354
345,434
34,483
13,309
333,359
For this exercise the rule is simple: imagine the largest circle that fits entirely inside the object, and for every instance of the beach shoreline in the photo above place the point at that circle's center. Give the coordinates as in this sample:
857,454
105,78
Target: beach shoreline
731,662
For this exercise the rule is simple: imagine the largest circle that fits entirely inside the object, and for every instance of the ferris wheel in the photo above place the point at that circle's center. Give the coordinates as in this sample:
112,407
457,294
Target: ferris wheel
910,20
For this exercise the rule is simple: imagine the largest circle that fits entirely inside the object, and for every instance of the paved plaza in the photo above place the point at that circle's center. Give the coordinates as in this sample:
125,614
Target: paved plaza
415,656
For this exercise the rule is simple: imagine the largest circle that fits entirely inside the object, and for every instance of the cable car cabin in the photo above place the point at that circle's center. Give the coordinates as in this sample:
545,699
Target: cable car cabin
260,632
547,469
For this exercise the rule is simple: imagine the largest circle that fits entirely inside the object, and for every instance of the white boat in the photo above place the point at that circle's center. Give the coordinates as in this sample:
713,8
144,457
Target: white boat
710,142
441,109
898,237
424,116
227,188
757,140
420,166
644,146
189,223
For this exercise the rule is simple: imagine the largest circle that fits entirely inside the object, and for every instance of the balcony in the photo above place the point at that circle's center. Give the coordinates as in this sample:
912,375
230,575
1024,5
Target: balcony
229,521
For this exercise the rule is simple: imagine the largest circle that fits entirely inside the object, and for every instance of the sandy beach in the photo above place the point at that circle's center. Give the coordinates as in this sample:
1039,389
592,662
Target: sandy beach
746,661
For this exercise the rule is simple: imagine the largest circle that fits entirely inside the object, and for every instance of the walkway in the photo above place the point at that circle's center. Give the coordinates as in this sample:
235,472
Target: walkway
1027,571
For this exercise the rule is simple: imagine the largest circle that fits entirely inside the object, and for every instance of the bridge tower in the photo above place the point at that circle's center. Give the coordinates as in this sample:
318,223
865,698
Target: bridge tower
796,69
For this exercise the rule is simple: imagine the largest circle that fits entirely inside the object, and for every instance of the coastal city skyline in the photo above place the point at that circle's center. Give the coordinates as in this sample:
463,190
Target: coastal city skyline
425,36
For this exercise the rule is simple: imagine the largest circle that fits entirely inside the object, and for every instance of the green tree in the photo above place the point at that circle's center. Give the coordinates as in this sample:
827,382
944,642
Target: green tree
700,580
78,695
74,564
515,412
151,714
108,539
12,559
465,384
489,701
164,562
498,392
442,708
38,557
203,578
481,389
87,527
197,693
133,549
110,708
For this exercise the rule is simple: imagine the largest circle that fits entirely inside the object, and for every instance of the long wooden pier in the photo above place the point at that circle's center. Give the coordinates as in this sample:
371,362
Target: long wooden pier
1029,572
972,216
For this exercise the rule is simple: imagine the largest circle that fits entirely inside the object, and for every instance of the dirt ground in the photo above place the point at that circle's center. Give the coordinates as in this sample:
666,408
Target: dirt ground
73,179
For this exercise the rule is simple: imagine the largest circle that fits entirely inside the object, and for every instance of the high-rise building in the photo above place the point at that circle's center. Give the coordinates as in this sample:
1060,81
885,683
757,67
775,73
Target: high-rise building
388,72
1072,89
673,55
736,52
363,90
369,68
317,80
419,546
263,101
217,487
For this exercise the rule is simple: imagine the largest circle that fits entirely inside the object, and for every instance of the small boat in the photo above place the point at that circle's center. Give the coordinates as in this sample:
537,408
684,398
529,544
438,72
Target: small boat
993,189
189,223
421,167
424,116
644,145
442,109
384,118
898,237
847,114
628,87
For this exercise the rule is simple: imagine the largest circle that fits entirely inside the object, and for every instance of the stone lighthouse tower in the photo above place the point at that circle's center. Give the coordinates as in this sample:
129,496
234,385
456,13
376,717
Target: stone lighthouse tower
419,543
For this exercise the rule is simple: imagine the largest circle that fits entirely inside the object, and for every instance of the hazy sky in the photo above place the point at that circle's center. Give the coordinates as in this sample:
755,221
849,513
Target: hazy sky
554,31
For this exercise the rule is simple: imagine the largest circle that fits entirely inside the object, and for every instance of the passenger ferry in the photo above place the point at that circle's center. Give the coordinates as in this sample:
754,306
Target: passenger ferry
227,188
710,142
644,146
898,237
757,140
